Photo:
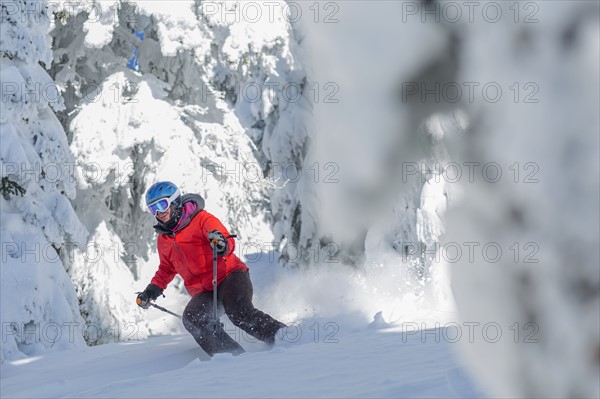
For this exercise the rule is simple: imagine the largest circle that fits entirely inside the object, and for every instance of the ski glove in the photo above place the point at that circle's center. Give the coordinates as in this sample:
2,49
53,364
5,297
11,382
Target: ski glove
218,241
151,292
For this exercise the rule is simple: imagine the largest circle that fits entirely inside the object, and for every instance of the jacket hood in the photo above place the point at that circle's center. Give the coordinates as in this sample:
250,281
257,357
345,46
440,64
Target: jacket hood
192,199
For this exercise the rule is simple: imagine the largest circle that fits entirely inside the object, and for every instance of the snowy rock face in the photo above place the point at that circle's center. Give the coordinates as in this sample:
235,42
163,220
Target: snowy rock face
39,227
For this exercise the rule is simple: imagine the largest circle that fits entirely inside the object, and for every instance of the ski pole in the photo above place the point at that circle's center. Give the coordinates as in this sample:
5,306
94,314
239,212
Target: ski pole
165,310
139,301
214,281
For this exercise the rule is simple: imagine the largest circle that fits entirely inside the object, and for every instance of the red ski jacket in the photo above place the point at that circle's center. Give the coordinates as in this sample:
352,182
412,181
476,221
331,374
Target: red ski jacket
187,252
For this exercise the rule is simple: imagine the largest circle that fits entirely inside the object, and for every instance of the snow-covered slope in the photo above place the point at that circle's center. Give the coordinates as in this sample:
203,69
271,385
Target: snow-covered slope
364,363
340,355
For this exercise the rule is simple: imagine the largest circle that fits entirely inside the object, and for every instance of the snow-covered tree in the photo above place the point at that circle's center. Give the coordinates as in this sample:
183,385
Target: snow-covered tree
364,203
543,290
259,66
185,115
206,74
39,227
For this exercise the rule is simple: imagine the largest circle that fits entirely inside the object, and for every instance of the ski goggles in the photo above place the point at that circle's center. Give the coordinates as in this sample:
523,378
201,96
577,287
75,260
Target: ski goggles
162,204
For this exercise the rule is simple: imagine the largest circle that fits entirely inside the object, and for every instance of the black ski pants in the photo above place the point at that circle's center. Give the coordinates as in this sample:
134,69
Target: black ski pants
234,295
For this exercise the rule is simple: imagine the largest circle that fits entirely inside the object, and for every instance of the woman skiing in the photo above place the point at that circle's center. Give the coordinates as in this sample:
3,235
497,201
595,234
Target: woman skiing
187,237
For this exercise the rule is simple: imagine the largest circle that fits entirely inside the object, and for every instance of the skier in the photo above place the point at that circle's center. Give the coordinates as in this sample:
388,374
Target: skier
187,237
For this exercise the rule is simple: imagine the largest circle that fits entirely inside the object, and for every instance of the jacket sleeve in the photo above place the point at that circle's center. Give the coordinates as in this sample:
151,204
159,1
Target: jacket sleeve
212,223
165,273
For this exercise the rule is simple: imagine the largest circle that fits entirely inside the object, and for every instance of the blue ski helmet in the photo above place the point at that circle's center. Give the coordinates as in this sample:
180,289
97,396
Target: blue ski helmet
159,198
160,190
